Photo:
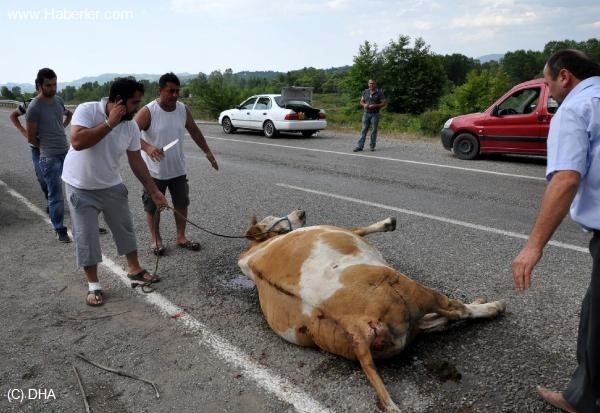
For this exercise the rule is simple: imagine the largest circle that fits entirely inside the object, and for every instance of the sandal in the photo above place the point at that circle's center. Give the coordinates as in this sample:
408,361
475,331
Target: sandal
190,245
159,250
97,296
144,276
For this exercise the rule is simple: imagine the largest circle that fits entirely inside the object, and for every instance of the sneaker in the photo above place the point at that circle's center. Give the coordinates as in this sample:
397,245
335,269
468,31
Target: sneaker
102,230
63,237
372,149
357,149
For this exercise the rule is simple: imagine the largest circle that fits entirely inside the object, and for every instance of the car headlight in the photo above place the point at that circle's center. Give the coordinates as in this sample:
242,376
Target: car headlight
448,123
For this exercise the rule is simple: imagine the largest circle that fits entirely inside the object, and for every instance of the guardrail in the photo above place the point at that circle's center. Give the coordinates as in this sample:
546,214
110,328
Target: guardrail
9,103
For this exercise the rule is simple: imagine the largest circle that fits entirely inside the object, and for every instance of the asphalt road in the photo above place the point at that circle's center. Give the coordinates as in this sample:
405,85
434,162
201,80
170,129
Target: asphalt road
201,336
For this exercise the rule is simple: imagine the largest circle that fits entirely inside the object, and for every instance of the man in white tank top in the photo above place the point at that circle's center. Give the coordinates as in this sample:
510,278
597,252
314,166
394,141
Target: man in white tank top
163,121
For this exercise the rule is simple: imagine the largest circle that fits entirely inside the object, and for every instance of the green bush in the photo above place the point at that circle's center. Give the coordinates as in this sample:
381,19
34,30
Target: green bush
431,121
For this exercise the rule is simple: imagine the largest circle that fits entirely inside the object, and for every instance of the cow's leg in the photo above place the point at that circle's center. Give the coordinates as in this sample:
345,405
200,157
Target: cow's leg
434,322
362,340
386,225
457,310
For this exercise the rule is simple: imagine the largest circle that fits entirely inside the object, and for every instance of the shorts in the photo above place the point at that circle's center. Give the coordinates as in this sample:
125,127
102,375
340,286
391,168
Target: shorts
178,188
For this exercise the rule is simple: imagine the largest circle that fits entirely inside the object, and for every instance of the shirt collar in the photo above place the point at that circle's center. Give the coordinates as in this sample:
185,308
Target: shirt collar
584,84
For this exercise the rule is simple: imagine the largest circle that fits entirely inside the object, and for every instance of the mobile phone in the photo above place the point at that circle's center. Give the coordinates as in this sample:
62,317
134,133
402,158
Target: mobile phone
119,98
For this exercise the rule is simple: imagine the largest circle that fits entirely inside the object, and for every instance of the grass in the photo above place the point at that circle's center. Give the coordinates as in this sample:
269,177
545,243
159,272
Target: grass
345,115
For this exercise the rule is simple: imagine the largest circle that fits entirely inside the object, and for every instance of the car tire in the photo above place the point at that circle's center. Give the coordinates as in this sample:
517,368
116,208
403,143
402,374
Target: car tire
466,146
269,129
308,133
227,125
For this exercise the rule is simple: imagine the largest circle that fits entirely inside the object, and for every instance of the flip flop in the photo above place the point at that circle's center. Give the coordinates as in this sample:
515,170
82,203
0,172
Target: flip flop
190,245
97,295
159,250
144,276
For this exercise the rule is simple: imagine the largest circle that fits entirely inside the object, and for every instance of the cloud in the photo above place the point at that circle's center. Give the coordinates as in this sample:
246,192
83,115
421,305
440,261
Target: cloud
496,19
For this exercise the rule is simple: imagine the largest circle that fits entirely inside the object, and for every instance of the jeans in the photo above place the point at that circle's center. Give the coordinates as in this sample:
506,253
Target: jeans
51,168
35,160
370,119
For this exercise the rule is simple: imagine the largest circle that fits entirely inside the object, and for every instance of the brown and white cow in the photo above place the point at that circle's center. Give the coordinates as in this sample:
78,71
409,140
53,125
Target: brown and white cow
326,286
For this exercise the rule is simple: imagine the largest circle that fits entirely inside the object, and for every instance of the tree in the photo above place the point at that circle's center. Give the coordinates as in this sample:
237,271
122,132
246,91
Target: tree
480,90
522,65
457,66
6,93
368,64
217,92
413,78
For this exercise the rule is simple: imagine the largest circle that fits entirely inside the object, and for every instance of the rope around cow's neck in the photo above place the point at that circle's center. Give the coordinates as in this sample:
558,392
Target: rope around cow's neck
147,287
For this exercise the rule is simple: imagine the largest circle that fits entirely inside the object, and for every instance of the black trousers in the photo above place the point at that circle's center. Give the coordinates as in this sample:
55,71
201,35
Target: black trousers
583,391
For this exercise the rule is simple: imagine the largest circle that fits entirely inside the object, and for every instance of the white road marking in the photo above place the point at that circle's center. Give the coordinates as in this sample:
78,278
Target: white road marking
282,388
433,217
460,168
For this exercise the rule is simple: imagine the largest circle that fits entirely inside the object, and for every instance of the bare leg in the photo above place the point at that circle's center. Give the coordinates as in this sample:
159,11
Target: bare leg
180,224
153,221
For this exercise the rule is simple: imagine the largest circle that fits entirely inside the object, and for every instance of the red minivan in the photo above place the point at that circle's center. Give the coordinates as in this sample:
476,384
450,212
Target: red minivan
518,123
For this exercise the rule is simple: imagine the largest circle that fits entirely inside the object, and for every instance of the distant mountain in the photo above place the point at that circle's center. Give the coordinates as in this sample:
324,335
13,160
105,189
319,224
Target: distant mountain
101,79
491,57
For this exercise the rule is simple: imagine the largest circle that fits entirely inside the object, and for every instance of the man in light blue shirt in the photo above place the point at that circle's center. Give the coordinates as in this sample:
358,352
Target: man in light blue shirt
573,173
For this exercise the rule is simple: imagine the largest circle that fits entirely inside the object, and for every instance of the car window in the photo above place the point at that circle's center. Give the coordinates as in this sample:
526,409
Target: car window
248,104
263,103
552,105
520,103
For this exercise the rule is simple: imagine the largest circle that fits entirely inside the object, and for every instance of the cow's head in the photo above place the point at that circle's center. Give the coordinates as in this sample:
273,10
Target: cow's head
271,226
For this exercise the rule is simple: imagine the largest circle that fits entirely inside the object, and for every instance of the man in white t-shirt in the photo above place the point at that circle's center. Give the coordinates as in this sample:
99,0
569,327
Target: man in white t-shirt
101,133
163,121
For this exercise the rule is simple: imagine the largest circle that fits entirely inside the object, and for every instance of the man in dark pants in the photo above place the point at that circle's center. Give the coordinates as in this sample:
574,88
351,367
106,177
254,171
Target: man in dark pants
372,100
573,172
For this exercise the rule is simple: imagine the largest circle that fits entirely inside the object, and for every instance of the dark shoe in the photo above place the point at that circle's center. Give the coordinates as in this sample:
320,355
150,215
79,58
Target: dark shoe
357,149
159,250
102,230
555,399
144,276
190,245
63,236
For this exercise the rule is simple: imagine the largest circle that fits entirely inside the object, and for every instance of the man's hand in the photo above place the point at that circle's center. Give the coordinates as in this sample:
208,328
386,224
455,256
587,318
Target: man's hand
523,265
212,160
159,199
116,113
156,154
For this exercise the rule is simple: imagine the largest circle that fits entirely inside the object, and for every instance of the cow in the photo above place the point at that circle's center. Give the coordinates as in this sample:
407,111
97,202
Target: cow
327,287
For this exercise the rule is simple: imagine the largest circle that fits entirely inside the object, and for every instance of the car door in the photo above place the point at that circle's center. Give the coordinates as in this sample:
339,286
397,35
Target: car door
260,112
240,118
515,124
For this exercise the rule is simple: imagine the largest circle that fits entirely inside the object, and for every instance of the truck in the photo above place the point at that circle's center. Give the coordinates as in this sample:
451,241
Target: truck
517,123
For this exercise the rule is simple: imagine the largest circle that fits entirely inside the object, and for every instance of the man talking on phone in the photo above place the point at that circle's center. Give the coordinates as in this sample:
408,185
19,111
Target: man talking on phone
101,133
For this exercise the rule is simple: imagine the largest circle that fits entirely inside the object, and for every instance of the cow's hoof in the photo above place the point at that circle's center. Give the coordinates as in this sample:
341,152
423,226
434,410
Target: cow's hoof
390,225
479,301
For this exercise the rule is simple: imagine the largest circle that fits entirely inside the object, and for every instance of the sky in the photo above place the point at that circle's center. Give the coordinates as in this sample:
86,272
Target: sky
79,39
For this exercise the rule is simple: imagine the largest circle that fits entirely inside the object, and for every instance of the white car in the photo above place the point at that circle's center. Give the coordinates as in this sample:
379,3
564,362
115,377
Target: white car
291,111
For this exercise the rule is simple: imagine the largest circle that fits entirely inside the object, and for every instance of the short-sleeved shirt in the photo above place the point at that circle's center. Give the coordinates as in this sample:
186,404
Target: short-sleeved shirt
374,98
49,119
98,167
574,145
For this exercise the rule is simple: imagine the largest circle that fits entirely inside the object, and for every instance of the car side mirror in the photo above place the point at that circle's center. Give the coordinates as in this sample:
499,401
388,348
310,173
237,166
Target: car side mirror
495,111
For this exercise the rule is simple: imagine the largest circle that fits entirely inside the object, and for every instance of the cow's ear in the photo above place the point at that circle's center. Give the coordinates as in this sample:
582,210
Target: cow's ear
254,232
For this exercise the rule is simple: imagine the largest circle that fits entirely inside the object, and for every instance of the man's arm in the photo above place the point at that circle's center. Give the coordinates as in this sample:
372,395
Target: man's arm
198,137
68,115
83,138
555,204
140,170
14,118
32,131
